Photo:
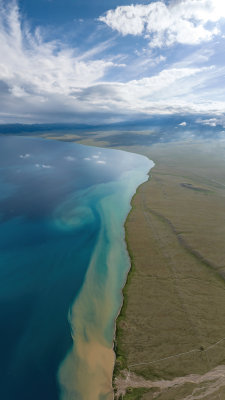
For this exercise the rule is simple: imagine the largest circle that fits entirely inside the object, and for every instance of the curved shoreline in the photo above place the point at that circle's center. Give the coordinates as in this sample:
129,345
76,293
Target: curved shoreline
121,313
171,325
87,369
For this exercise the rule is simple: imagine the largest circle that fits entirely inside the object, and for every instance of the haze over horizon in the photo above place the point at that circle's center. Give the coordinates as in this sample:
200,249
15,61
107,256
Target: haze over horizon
90,61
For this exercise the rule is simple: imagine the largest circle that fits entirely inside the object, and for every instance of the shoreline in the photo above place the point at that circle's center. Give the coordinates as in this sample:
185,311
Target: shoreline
171,323
121,313
93,348
105,350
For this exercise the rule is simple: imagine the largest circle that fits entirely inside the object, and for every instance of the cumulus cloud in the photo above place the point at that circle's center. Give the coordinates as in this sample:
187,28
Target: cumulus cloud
95,156
181,21
183,123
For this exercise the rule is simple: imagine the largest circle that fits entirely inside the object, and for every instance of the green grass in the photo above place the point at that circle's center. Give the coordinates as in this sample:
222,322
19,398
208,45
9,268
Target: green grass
135,393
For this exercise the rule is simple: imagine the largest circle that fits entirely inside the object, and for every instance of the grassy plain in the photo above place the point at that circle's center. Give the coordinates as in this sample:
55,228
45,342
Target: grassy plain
170,339
172,324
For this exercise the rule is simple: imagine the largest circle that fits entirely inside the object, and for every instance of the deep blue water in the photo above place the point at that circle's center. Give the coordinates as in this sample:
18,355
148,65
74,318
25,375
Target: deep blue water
49,225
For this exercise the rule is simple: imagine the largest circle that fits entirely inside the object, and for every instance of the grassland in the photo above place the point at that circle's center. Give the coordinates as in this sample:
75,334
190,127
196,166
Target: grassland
172,325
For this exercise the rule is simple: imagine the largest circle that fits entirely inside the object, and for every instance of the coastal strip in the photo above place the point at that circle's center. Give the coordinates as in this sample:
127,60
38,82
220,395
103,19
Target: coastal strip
86,373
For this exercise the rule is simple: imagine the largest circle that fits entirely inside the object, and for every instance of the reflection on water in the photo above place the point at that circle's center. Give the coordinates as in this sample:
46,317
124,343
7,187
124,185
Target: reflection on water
50,224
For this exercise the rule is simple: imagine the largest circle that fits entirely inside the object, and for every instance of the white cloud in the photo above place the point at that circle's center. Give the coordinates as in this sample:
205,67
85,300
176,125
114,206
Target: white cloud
101,162
18,91
34,69
173,90
27,155
31,64
45,166
182,21
213,122
46,81
183,123
87,159
95,156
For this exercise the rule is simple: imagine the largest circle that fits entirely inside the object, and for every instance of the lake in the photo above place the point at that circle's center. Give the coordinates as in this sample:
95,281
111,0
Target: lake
63,263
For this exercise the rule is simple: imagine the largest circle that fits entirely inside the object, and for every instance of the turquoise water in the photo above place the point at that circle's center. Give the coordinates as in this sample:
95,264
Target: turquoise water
63,263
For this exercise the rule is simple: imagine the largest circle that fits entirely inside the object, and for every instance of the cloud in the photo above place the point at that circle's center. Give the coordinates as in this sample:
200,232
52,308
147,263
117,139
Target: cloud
39,75
29,64
47,81
100,162
87,159
27,155
181,21
213,122
183,123
44,166
95,156
166,92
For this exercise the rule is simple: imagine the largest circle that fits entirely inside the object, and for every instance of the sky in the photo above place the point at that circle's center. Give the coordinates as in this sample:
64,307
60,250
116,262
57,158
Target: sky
106,61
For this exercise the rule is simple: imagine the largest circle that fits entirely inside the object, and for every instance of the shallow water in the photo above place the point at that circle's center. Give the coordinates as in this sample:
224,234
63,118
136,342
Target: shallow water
63,263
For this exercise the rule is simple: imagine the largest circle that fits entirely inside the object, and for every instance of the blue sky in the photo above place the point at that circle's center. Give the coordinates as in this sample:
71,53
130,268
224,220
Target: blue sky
98,61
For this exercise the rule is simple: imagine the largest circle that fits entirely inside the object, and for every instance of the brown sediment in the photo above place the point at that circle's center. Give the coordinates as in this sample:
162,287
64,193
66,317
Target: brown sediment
87,370
86,373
